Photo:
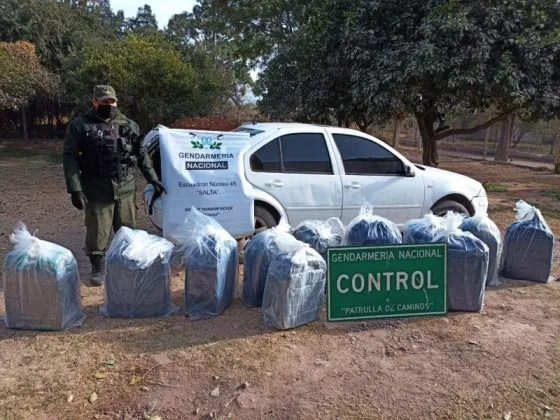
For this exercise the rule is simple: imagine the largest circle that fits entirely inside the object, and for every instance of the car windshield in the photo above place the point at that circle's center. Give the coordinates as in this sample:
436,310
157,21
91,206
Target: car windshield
252,131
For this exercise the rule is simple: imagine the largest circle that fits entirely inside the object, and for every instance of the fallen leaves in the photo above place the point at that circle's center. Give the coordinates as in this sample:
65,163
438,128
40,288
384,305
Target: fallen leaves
93,397
135,380
100,375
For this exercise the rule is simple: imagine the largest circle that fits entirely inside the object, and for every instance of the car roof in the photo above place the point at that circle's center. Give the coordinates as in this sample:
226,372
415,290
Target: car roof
269,126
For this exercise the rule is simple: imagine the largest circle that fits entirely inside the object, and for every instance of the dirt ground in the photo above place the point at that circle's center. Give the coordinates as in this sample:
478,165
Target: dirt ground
503,363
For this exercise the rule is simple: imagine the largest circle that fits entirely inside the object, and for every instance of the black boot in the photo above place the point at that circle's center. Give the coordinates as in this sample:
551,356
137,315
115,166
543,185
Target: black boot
97,270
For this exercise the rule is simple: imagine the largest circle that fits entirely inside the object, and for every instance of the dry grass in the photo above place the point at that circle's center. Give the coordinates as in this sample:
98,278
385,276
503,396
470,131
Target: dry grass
417,368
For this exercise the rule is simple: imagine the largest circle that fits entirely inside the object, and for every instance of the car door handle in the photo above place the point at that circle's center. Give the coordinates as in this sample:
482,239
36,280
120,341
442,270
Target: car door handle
353,186
275,184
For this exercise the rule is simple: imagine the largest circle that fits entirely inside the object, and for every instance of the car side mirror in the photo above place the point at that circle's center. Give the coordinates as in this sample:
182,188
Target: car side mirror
408,171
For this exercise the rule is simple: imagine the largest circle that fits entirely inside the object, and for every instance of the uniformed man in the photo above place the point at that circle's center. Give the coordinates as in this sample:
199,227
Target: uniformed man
101,149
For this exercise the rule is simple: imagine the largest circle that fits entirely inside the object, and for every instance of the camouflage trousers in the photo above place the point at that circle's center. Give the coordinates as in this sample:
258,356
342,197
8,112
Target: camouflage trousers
101,218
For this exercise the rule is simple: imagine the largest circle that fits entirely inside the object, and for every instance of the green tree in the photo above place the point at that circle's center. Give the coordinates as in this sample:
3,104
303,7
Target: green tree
308,79
57,29
154,83
144,20
428,58
254,29
434,58
22,78
206,43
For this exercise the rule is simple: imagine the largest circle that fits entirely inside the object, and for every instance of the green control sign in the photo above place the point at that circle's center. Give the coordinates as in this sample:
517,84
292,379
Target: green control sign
386,281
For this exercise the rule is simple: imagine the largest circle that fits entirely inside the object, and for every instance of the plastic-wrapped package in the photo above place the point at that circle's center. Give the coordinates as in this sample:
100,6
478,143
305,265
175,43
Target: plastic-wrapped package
259,253
424,230
211,264
528,246
137,280
486,230
41,285
294,290
467,266
320,235
369,229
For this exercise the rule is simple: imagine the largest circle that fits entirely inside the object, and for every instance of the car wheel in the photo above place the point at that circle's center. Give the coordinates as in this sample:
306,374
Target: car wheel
441,209
263,220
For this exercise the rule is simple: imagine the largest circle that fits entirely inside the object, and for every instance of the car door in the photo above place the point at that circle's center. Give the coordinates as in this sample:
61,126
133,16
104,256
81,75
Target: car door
296,169
372,173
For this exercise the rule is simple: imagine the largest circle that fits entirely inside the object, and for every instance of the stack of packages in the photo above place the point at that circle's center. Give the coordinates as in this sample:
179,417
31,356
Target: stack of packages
259,253
528,246
285,276
320,235
486,230
369,229
211,261
41,285
467,266
137,281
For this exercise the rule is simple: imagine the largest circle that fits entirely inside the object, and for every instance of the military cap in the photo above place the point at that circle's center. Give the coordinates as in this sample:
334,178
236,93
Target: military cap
102,92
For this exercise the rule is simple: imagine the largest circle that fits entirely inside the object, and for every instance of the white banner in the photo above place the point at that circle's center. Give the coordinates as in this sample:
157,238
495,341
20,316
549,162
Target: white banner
205,169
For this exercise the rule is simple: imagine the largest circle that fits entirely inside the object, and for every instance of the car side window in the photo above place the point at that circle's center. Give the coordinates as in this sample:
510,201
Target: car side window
365,157
267,158
304,153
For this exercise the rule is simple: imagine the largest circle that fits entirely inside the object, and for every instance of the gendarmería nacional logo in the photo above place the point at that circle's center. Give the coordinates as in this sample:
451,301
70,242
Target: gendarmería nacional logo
206,142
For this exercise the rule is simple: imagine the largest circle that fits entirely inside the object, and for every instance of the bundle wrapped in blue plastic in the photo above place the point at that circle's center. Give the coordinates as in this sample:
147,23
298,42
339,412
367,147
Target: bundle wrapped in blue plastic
369,229
137,280
294,290
486,230
424,230
528,246
211,261
320,235
467,266
41,285
259,253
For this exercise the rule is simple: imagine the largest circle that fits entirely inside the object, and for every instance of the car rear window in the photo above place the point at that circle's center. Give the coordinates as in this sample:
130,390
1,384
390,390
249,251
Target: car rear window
300,153
252,131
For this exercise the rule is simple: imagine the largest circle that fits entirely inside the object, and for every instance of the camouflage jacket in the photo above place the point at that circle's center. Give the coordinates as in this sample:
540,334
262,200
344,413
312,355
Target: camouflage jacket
101,189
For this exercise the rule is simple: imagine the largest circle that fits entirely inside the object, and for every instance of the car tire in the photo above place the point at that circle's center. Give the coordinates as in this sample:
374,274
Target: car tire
264,220
441,208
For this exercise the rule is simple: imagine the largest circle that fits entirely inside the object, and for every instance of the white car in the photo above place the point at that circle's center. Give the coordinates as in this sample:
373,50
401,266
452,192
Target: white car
302,172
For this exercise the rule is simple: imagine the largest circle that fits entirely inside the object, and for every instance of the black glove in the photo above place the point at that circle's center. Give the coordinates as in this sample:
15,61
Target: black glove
158,188
79,200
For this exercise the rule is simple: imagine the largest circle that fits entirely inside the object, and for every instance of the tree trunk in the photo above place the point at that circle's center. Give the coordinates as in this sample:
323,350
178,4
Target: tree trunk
517,137
24,121
429,145
503,148
417,140
486,142
363,126
396,132
552,144
557,166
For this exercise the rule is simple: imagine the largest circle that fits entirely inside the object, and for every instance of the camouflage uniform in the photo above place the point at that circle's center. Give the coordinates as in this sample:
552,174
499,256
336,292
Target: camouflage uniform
99,160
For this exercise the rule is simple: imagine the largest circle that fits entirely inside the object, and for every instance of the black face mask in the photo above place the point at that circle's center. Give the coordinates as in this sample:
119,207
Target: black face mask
106,112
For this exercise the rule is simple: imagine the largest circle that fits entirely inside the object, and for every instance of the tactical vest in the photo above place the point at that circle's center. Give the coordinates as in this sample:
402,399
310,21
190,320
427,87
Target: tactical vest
108,151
